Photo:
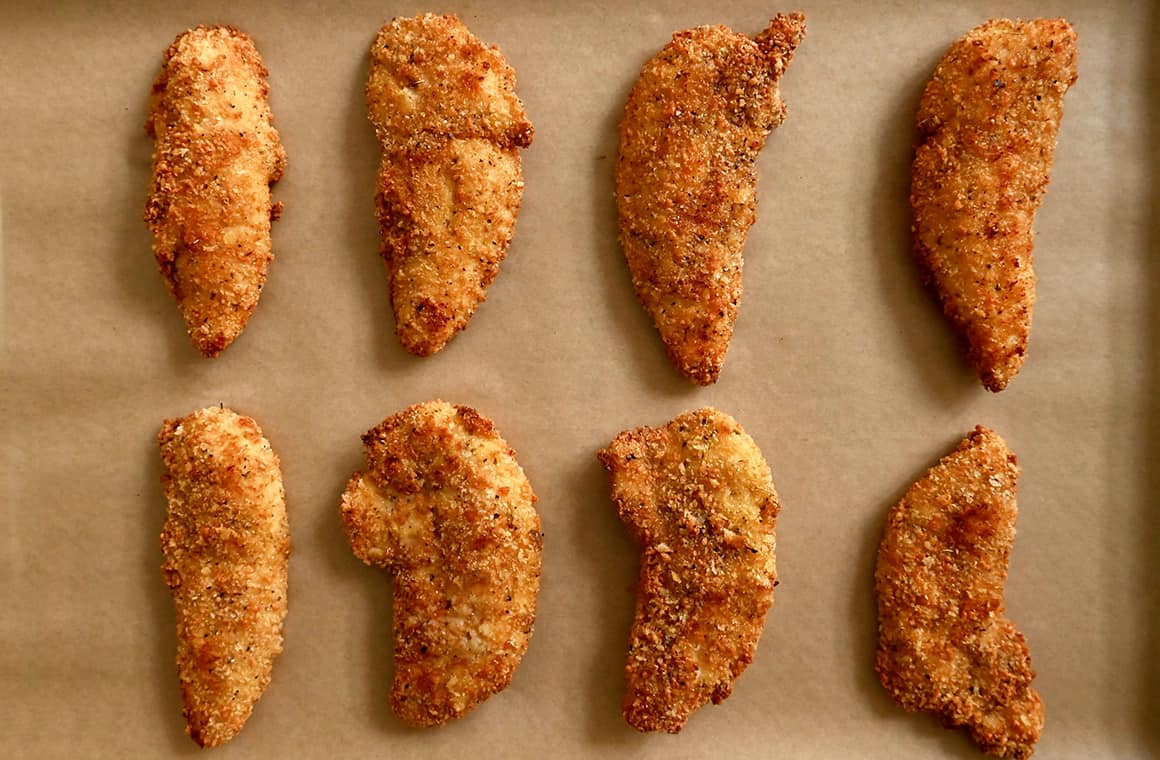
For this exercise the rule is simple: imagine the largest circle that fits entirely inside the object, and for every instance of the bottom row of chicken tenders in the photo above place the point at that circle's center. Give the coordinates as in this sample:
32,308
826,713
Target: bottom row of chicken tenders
445,507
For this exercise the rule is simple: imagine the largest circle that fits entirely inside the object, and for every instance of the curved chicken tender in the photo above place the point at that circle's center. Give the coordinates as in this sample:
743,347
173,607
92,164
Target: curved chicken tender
943,643
227,546
215,155
445,507
686,181
987,126
698,497
445,111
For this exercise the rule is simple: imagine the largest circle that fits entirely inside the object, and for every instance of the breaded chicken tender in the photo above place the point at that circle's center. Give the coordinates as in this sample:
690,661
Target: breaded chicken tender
215,155
943,644
227,546
698,498
445,507
987,126
445,110
686,180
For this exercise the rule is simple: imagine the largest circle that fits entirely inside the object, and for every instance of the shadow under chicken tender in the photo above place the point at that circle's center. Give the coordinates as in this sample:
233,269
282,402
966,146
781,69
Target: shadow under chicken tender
686,180
227,546
987,127
698,497
444,506
444,108
943,644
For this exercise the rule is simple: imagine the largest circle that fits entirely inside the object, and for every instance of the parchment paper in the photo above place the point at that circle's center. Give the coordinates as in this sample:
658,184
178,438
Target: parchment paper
841,368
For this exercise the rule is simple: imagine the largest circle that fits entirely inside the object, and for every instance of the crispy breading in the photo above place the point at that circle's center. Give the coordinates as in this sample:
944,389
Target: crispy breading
445,506
215,155
943,644
697,496
444,108
987,127
226,543
686,180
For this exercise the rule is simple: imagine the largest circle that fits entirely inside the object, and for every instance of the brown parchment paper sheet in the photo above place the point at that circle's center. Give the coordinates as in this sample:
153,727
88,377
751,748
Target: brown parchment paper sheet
841,368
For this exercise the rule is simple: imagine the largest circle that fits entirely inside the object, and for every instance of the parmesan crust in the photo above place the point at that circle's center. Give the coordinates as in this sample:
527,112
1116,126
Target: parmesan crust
445,507
226,543
697,496
987,127
686,180
943,644
444,108
215,155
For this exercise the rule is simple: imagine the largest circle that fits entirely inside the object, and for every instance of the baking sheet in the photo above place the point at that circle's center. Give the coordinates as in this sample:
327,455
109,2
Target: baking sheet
841,368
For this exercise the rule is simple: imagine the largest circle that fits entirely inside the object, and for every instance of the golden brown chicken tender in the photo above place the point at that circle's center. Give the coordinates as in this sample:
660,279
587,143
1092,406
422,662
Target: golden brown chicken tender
445,111
227,545
215,155
686,180
698,498
444,506
987,126
943,644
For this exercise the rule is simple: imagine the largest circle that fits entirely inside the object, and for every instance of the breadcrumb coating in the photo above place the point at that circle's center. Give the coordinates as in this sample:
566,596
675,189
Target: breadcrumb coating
698,497
943,644
215,155
686,180
445,506
226,543
444,108
987,127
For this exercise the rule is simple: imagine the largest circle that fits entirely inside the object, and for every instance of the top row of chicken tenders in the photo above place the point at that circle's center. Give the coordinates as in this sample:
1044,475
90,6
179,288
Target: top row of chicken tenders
450,126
